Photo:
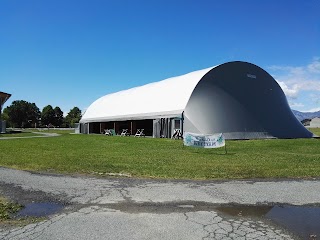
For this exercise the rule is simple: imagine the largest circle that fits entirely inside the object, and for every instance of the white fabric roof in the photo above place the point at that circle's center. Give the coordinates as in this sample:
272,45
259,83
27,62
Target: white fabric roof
167,98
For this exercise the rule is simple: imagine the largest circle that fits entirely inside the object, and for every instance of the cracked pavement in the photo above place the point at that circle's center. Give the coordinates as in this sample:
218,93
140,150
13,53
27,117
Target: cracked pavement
114,208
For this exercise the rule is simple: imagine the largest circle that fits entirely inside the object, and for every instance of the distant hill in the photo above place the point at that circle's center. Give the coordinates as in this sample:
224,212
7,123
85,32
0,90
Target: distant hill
305,115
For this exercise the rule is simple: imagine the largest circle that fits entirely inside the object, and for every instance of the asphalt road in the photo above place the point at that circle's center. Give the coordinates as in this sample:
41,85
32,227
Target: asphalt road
116,208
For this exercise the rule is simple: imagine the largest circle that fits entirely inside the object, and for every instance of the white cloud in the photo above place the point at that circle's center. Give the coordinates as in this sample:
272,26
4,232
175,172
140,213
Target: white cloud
315,98
311,85
298,81
308,73
296,104
288,69
314,67
313,110
291,92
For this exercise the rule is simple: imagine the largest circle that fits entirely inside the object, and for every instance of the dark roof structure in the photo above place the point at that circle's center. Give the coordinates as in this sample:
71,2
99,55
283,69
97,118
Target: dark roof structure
242,101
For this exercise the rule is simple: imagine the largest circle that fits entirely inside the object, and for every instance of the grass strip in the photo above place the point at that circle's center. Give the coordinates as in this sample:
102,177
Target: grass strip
164,158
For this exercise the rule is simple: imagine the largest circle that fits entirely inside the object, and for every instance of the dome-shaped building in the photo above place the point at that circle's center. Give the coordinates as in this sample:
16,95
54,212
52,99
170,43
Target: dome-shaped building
238,99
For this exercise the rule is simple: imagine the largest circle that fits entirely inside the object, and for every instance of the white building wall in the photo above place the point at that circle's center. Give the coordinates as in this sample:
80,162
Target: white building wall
315,123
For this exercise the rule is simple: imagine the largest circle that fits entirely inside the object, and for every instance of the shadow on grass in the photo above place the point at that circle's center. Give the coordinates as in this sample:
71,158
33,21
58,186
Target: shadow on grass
215,153
13,131
209,151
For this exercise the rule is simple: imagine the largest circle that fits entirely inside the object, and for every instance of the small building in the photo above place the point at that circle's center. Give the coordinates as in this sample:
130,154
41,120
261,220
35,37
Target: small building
3,98
315,122
238,99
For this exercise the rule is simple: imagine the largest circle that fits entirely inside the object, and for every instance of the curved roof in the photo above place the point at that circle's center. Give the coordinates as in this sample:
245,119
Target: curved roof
166,98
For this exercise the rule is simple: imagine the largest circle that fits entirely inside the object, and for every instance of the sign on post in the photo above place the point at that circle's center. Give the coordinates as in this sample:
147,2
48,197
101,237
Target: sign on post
204,141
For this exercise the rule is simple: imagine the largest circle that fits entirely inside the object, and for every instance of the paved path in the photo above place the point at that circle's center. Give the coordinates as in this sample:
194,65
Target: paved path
98,208
40,135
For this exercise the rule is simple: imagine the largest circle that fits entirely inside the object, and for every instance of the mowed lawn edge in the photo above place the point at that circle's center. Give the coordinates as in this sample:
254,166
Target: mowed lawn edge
163,158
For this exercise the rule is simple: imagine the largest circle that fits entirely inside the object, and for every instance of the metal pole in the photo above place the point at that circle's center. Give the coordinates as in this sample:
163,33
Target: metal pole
182,123
225,146
0,107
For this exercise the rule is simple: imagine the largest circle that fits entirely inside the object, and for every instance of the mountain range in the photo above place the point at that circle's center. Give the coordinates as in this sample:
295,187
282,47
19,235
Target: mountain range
305,115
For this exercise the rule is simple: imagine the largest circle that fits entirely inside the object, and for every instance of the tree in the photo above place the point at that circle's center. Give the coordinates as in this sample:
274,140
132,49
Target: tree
73,117
58,117
47,115
34,114
22,113
5,117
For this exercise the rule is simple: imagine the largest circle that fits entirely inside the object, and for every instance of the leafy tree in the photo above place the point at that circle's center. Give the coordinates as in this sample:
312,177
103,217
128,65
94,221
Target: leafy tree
22,113
5,117
34,114
47,115
73,117
58,117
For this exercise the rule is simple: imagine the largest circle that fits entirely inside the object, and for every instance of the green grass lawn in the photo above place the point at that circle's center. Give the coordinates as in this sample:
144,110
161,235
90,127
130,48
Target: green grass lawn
315,131
164,158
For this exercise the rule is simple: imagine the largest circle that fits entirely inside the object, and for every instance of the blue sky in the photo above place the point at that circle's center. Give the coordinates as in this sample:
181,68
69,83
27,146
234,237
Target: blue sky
70,52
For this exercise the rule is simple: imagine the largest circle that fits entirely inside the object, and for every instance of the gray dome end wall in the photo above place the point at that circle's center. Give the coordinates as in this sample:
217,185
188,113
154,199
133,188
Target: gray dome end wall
242,101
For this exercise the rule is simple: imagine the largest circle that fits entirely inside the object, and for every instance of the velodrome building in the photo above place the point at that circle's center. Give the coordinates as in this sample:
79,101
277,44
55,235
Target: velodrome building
238,99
